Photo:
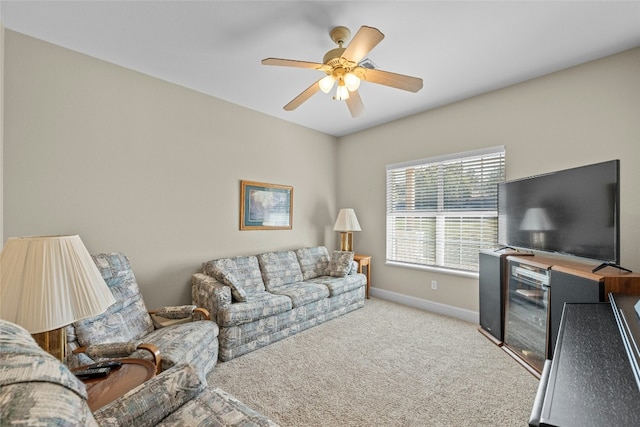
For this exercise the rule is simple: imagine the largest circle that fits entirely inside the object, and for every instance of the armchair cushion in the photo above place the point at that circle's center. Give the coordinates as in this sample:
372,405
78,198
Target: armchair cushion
129,308
195,343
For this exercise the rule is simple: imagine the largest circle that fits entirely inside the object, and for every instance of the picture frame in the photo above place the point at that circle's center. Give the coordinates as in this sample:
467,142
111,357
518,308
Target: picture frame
265,206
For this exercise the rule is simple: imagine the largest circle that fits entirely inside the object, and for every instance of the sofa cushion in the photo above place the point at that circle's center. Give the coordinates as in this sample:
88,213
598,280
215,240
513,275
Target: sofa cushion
302,293
340,264
259,307
340,285
314,262
242,274
216,407
279,268
148,404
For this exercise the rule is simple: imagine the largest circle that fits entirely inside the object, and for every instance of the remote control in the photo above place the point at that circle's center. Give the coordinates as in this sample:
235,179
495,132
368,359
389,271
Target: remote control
92,373
113,364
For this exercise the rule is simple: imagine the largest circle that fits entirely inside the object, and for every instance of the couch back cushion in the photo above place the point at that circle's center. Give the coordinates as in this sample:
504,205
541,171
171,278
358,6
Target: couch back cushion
279,268
242,274
127,319
314,262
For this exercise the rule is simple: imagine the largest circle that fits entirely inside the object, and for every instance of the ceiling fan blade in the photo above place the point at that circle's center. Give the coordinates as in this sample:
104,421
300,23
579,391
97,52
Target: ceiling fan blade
292,63
399,81
365,39
354,102
306,94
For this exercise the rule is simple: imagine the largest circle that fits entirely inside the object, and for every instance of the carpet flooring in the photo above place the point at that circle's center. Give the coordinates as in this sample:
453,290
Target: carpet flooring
383,365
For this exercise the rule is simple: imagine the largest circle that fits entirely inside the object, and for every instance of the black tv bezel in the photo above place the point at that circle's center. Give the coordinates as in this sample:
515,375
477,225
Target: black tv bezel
616,214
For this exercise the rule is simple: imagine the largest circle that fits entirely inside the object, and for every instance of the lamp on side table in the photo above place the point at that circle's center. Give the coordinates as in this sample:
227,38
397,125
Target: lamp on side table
47,283
346,223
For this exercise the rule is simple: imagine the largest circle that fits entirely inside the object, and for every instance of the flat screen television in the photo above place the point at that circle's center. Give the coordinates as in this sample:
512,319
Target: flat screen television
572,212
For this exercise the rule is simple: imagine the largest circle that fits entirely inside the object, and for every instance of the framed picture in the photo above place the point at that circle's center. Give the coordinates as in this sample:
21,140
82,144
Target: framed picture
265,206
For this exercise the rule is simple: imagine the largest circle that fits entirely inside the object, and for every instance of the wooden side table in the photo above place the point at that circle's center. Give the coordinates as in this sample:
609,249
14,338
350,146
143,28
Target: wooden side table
128,376
364,261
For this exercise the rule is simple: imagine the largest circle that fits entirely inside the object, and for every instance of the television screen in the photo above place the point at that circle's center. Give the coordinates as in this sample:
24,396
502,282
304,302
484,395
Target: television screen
574,212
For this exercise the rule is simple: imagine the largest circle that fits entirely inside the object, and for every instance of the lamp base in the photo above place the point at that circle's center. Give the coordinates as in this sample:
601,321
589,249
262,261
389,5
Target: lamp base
53,342
346,241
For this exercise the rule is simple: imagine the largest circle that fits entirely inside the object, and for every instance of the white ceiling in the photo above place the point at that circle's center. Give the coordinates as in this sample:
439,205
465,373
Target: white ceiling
459,48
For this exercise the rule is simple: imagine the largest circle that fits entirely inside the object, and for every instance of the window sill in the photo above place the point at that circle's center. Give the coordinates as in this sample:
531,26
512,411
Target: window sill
442,270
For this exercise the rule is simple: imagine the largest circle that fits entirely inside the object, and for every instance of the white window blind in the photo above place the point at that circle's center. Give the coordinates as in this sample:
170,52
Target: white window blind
442,211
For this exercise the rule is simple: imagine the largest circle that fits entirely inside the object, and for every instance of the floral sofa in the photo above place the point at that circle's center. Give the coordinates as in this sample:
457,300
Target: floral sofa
257,300
37,389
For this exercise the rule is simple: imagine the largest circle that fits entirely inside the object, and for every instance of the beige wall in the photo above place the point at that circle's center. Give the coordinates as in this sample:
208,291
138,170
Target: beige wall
135,164
138,165
586,114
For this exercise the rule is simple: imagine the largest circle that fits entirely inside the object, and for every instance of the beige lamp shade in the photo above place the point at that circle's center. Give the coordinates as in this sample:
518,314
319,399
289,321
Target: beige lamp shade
345,224
347,221
48,282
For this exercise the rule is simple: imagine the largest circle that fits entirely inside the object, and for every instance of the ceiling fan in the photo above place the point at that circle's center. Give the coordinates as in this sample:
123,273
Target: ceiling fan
342,66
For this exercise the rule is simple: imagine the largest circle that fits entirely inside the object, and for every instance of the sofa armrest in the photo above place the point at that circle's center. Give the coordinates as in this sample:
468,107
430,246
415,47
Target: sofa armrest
124,349
168,316
354,268
181,312
210,294
149,403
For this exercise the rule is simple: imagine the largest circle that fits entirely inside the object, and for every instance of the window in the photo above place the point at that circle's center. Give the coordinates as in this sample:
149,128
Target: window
442,211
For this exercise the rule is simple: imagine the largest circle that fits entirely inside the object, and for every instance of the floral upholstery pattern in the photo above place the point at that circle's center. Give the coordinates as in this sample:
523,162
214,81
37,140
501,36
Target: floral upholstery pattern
339,285
128,320
146,407
340,264
35,388
217,407
279,268
177,312
288,305
314,262
242,274
302,293
259,308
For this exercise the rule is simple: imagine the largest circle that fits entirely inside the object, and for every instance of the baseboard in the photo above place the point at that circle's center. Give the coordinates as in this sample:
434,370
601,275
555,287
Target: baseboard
435,307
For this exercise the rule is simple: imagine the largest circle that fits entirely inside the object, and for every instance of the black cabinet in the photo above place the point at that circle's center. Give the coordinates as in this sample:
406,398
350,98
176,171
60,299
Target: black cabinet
569,288
491,281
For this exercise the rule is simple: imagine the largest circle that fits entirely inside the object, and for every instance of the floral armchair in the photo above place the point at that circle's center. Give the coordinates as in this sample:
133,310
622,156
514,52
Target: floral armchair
128,329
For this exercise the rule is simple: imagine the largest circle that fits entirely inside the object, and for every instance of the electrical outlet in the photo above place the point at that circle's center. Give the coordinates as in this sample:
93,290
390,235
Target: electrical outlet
434,284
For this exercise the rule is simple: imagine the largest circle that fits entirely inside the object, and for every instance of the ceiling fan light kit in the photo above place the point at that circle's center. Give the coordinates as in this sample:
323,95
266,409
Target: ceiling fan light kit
341,65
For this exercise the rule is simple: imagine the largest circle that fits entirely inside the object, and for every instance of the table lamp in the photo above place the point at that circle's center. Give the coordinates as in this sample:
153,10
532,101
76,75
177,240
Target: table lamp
47,283
346,223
